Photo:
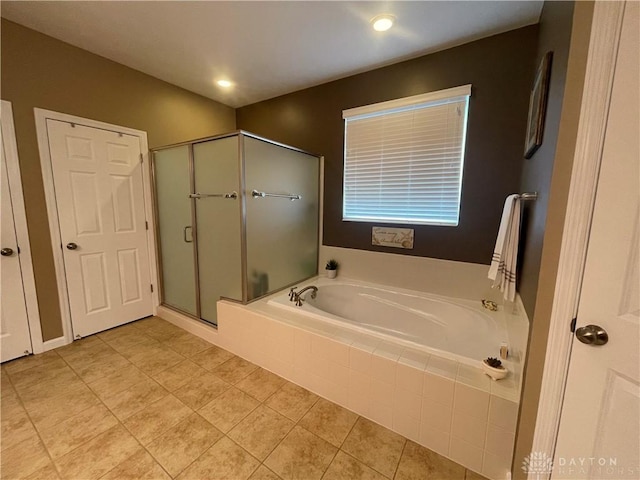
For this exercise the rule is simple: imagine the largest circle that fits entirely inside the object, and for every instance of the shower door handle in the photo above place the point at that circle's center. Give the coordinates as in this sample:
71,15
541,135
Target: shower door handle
184,234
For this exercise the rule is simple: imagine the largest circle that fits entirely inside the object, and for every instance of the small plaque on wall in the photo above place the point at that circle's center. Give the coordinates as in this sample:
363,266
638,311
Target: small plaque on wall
392,237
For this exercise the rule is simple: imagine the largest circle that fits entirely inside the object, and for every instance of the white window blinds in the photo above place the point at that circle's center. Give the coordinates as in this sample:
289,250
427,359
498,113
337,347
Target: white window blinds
403,159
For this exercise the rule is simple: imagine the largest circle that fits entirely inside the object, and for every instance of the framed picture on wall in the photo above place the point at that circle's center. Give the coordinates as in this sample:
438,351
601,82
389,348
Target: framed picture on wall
538,106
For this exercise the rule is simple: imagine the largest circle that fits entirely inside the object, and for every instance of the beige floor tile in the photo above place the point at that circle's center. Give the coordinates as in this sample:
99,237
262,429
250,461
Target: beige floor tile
80,346
24,379
86,350
135,398
99,455
30,361
48,472
16,426
64,437
227,410
345,466
263,473
292,401
164,332
155,359
151,322
260,431
183,443
212,357
175,377
47,412
329,421
187,344
5,384
376,446
261,384
118,381
118,332
224,460
24,458
102,367
130,341
156,418
418,463
473,476
234,370
140,466
201,390
301,455
148,347
58,383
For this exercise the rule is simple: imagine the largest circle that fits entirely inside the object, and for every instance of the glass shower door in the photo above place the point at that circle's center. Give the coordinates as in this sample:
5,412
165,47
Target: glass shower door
173,185
281,233
218,220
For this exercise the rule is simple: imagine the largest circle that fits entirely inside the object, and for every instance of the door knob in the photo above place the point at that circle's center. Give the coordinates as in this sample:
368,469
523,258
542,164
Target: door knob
72,246
592,335
6,252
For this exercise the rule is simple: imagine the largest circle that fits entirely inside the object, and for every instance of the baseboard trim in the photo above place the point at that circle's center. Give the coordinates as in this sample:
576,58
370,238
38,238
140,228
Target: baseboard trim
195,327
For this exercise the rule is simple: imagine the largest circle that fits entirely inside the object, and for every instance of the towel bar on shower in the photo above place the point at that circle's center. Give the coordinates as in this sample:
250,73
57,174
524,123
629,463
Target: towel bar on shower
528,196
290,196
213,195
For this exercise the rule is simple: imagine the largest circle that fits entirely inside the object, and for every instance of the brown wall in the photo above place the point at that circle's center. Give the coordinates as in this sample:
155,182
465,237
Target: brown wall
500,68
553,229
40,71
554,36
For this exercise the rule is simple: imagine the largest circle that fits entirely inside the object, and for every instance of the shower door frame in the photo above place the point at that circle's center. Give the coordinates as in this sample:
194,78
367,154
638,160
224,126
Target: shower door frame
240,134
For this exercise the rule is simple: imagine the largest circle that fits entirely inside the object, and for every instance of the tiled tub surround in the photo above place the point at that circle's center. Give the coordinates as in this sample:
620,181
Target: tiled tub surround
449,407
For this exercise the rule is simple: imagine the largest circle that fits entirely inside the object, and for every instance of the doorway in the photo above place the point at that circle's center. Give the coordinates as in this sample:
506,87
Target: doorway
19,320
97,191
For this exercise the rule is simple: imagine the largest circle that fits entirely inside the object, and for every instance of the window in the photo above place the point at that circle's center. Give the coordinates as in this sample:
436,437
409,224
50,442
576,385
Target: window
403,159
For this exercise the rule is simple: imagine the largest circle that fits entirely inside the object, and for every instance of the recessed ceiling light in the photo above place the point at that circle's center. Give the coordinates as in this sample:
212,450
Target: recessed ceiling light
224,83
382,23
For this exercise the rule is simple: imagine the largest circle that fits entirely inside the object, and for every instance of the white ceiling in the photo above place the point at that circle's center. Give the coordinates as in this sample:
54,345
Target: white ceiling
267,48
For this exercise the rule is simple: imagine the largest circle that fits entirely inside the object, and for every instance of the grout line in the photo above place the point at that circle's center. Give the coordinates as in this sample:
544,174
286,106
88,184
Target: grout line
395,472
55,467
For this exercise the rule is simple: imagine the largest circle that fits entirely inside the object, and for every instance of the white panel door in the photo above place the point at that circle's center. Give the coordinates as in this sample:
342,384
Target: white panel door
99,194
15,339
599,434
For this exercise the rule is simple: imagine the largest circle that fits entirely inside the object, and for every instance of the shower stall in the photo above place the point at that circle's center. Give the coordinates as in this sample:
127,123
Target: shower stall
237,218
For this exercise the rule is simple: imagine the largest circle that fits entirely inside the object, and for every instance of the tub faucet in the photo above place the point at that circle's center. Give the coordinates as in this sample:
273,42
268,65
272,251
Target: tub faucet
297,296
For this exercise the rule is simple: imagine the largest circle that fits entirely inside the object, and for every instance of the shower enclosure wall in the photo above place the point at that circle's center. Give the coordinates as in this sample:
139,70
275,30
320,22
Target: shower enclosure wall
237,218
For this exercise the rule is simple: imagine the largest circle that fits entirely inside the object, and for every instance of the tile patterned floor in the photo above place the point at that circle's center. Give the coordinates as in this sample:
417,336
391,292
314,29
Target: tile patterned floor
150,401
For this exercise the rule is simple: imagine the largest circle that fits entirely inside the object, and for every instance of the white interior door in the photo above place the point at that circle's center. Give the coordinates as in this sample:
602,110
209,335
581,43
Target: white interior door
599,434
99,195
15,339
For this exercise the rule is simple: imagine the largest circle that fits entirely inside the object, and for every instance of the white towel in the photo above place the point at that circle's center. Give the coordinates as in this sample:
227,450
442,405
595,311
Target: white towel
505,255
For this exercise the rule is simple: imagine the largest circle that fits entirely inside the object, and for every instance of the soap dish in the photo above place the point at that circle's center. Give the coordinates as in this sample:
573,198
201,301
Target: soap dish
496,373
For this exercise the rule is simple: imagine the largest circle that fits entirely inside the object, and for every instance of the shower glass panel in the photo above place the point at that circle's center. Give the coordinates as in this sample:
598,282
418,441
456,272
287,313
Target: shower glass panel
237,218
173,184
216,173
282,233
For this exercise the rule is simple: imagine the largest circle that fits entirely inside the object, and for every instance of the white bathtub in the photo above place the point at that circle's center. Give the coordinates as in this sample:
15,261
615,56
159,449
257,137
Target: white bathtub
457,329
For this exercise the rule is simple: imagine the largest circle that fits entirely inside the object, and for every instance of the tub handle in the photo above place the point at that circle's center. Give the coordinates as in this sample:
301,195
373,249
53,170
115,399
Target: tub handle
292,293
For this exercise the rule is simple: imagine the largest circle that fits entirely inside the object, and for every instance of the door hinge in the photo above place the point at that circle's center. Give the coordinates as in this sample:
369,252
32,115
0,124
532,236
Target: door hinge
141,159
151,288
573,325
18,249
146,225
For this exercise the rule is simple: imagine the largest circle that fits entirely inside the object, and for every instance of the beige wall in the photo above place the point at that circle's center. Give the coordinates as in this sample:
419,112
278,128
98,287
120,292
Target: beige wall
558,194
40,71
